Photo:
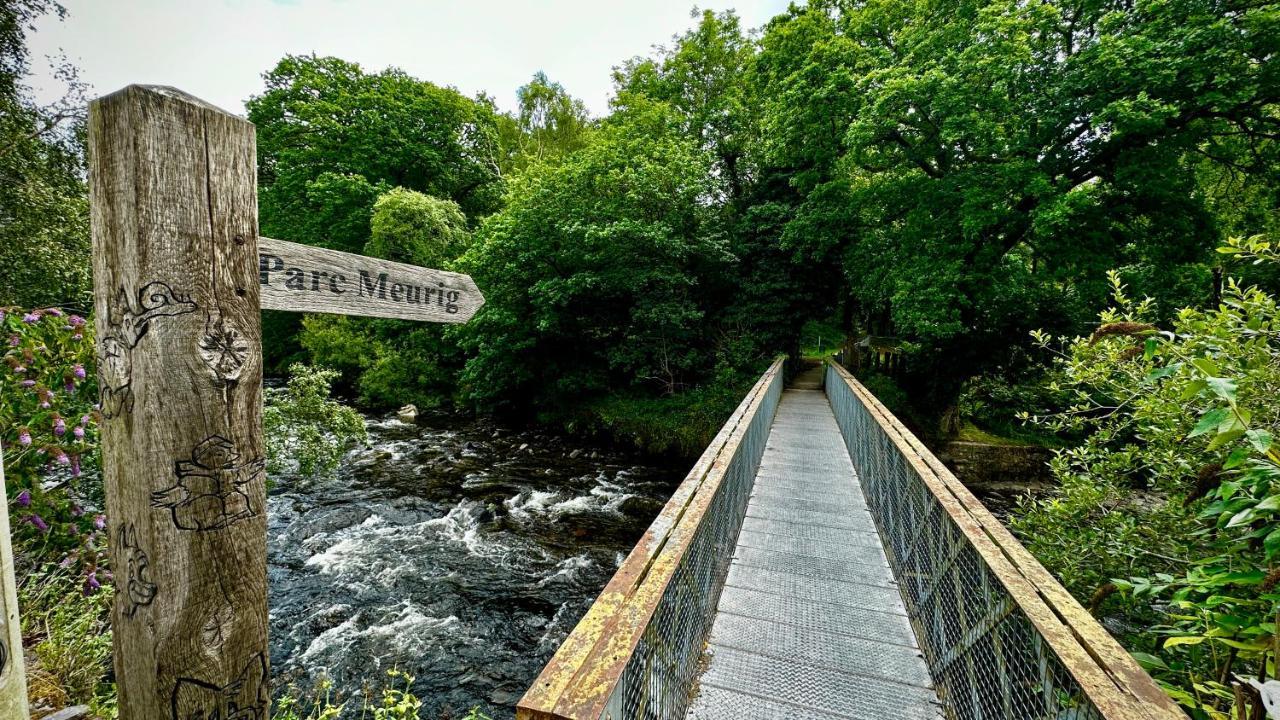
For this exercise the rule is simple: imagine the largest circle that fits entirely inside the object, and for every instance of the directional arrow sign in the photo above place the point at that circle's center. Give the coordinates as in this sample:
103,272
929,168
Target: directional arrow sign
302,278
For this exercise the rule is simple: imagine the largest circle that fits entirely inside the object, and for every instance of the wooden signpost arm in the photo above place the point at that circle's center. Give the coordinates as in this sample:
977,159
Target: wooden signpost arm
175,259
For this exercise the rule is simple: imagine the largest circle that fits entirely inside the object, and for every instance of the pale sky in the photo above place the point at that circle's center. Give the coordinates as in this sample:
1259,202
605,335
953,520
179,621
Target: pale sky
218,49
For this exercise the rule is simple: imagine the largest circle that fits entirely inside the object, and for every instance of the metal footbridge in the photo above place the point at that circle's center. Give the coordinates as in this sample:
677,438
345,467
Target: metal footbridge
818,563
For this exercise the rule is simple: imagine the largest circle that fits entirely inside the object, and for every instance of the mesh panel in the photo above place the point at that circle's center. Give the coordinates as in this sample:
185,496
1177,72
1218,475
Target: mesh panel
659,675
986,658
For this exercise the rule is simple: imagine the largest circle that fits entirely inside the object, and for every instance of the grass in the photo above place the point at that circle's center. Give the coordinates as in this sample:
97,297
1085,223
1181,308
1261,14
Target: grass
68,636
682,424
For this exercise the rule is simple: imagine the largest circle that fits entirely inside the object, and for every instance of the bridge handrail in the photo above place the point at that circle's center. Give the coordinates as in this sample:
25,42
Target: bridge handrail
1084,674
636,651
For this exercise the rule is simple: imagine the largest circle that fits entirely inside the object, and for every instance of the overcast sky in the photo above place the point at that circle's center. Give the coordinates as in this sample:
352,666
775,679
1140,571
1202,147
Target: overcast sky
218,49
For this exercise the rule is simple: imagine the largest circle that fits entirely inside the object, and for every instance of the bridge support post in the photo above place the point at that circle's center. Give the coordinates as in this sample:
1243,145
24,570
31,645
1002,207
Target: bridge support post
174,215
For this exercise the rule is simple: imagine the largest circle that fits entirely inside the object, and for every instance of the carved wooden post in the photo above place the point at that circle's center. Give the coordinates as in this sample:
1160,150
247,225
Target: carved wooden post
175,258
13,676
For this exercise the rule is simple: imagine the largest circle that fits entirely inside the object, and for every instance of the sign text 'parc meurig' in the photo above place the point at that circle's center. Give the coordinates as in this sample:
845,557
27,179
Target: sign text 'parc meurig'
302,278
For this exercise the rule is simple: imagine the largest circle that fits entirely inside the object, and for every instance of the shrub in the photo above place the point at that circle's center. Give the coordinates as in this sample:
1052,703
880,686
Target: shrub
48,428
306,431
1173,497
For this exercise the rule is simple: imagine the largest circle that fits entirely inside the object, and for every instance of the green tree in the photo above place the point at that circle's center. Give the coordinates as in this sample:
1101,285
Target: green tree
592,271
414,228
977,166
307,432
333,138
549,125
44,210
394,362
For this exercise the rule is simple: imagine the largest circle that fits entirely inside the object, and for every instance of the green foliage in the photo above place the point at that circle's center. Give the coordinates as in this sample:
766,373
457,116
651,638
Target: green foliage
417,229
330,134
1172,497
44,210
68,635
550,125
682,424
306,432
395,362
591,271
48,426
976,166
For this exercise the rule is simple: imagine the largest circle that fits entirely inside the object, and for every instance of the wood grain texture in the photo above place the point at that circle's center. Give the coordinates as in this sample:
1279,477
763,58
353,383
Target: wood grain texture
302,278
174,222
13,676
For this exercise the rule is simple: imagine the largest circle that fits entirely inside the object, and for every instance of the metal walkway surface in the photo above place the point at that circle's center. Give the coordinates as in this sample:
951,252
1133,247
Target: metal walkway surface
810,624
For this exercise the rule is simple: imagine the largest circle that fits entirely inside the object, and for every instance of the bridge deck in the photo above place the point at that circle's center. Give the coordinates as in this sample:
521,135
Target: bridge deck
810,624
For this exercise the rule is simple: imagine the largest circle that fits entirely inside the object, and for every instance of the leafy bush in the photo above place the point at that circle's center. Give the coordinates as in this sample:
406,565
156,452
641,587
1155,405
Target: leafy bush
1170,504
68,633
307,432
48,427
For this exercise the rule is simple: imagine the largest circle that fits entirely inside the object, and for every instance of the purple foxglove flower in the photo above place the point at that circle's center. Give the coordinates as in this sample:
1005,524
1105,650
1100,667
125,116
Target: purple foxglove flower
78,371
76,510
75,466
66,562
14,341
24,437
84,420
60,457
24,498
2,316
59,427
18,369
39,523
28,383
78,431
70,387
91,583
75,321
100,521
78,336
31,318
55,312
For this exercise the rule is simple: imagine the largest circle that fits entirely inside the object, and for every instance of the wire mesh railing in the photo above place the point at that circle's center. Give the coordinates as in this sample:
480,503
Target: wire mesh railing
637,651
1002,638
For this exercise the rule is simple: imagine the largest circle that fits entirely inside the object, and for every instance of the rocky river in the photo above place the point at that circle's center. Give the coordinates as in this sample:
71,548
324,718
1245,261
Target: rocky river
453,549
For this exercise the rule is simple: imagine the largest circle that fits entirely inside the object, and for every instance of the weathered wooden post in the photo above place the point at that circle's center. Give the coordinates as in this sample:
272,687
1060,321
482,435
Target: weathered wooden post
13,676
175,259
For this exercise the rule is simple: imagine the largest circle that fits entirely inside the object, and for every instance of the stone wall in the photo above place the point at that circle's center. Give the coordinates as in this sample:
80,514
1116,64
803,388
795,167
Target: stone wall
988,467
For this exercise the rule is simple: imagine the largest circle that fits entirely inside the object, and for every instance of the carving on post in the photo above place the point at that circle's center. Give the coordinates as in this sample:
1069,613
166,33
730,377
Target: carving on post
244,698
128,322
210,493
139,590
224,350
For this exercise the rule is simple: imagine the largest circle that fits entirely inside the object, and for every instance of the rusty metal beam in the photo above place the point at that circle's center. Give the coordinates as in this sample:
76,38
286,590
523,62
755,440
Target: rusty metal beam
579,679
1112,680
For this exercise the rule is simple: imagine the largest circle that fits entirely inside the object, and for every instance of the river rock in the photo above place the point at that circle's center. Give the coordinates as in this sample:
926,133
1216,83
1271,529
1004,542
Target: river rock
408,414
575,454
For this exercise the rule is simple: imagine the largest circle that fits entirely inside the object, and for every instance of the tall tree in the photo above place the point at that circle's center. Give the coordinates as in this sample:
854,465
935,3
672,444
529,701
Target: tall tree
977,164
332,137
549,125
592,271
44,230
